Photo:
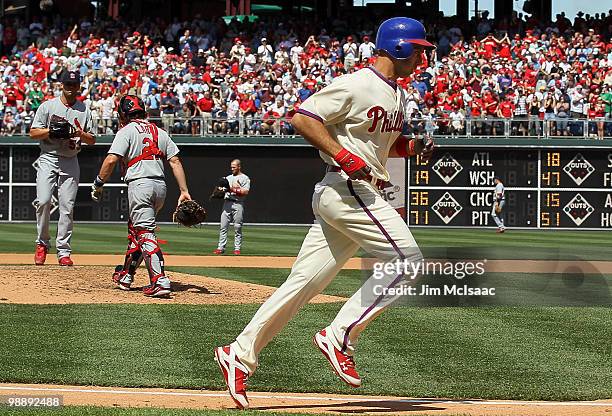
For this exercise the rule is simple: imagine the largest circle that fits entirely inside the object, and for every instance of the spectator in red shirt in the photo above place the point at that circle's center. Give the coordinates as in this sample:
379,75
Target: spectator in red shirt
597,111
204,108
506,108
476,107
247,110
490,46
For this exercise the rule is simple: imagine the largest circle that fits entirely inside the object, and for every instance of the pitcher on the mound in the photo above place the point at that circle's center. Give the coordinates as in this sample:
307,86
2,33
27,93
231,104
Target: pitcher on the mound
356,124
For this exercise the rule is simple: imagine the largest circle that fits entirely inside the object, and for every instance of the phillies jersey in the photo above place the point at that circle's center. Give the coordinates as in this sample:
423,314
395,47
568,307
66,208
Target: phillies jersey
143,147
364,112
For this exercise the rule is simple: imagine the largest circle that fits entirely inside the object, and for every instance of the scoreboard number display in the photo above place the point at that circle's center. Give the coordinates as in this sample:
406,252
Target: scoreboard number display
544,188
18,188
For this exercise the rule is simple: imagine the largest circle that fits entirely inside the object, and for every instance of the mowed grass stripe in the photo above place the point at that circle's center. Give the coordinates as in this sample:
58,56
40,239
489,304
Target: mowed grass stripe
345,284
512,289
286,241
495,353
427,236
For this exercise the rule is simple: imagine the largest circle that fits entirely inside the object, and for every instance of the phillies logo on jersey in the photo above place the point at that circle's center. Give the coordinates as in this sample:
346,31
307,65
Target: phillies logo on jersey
578,209
579,169
389,121
447,208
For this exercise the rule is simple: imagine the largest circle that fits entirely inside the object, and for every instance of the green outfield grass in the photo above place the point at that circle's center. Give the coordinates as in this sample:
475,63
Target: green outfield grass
286,241
345,283
513,289
553,353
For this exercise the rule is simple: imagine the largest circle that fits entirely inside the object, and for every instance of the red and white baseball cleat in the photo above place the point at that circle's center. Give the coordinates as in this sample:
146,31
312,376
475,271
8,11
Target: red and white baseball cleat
237,252
65,261
122,279
156,291
343,364
218,251
40,255
235,375
500,230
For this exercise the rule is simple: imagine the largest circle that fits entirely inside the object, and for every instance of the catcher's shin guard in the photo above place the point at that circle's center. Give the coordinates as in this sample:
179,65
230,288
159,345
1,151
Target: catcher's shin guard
153,258
133,254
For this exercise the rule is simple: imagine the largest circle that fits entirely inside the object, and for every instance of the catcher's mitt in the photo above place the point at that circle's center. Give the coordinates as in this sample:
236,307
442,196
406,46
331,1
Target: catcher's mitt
221,188
189,213
61,129
497,209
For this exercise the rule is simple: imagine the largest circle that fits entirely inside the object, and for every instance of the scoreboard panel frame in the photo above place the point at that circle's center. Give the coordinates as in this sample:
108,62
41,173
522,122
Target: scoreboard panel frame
572,188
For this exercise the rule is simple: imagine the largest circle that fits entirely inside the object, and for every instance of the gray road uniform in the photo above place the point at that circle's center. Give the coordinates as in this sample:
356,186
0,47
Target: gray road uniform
58,167
233,210
499,198
143,147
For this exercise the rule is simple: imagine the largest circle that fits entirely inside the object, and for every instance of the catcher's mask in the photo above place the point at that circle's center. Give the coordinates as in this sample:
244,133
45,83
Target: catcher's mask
131,107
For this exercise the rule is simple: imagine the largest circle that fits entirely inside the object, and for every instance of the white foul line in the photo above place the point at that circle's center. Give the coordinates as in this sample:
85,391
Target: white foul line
311,398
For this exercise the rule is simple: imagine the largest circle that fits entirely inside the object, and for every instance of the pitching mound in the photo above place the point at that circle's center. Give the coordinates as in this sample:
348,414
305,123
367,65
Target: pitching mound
92,284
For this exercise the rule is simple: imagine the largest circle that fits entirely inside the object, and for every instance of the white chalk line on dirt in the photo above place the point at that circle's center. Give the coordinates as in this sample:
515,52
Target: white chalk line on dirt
308,398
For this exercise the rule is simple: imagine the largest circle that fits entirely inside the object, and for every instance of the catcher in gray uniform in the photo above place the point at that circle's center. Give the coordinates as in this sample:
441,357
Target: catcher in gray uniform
60,125
142,147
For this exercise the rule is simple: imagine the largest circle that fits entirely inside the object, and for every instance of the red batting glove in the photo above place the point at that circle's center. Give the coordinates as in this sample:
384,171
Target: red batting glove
352,165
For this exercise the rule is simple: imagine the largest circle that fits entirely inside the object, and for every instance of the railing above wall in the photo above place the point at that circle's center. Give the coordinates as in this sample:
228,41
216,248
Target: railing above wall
554,127
485,132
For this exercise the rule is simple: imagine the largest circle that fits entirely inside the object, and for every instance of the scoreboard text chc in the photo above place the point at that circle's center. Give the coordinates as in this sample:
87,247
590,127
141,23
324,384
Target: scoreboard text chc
545,188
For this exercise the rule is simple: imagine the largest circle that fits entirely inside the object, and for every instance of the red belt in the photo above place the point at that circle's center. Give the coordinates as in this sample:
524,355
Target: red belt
378,183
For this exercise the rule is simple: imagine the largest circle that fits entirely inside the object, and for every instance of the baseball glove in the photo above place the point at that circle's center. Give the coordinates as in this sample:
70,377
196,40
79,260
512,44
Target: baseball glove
220,190
189,213
61,129
497,209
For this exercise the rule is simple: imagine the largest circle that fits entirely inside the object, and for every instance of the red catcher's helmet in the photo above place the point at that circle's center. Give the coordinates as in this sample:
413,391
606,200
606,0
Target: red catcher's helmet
131,106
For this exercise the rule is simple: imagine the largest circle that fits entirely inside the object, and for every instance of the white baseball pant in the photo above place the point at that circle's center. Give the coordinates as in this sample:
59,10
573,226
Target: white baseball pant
63,173
499,221
146,197
232,211
349,215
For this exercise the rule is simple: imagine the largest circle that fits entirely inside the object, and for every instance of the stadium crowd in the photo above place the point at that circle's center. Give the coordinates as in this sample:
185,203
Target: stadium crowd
205,76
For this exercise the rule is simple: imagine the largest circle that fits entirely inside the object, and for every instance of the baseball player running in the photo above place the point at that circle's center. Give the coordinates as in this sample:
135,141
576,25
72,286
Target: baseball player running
142,147
233,207
60,125
356,123
499,200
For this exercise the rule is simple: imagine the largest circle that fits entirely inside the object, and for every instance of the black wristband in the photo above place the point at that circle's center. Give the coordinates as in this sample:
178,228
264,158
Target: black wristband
98,182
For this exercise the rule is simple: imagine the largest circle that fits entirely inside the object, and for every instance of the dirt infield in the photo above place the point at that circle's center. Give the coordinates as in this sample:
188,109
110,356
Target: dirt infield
269,262
303,403
92,284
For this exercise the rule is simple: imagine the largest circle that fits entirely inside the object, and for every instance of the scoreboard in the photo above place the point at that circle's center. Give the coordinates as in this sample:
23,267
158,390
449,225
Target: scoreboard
565,187
545,188
18,187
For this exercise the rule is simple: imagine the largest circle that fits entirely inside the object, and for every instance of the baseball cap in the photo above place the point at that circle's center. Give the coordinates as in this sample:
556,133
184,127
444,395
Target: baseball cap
71,77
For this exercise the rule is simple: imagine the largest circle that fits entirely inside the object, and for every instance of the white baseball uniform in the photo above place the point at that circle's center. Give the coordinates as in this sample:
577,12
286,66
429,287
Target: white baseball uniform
233,210
57,167
498,198
364,112
143,147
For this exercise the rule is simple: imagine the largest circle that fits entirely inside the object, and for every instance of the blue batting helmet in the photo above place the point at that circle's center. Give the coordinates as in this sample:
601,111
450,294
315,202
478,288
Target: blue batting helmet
397,35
